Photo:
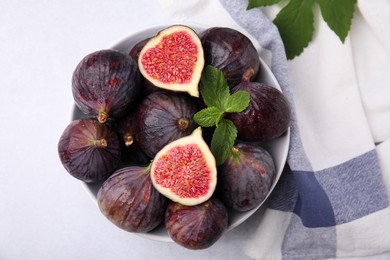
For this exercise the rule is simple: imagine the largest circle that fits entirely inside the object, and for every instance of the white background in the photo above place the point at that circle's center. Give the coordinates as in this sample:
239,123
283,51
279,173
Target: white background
45,213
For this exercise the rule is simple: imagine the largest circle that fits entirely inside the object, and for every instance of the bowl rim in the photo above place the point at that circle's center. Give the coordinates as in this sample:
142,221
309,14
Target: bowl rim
124,46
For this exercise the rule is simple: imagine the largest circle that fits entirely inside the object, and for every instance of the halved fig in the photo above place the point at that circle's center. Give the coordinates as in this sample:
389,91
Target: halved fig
105,84
173,59
89,151
185,170
147,87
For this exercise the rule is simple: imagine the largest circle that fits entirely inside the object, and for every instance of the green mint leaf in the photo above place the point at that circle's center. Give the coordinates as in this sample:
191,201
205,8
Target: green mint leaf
260,3
296,26
338,15
223,139
213,87
209,116
237,102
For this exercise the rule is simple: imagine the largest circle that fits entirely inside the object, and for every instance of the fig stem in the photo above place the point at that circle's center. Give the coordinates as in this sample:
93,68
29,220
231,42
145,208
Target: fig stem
183,123
101,143
128,139
248,74
102,117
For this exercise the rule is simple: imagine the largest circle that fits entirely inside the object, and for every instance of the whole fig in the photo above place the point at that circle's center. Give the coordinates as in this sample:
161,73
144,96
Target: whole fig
268,114
163,117
89,151
230,51
246,176
131,152
129,200
105,84
196,227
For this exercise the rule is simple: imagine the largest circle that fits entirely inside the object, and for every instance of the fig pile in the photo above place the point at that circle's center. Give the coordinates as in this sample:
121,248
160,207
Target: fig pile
139,141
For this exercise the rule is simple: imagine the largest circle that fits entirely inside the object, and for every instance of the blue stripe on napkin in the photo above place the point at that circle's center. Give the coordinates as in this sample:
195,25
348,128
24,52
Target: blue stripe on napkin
313,205
320,200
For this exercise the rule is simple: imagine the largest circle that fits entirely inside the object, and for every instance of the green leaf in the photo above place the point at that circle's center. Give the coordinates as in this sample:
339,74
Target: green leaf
223,140
338,15
213,87
209,116
237,102
260,3
296,26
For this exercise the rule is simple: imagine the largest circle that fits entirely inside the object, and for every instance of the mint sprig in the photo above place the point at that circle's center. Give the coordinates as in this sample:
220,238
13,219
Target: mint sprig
295,20
216,95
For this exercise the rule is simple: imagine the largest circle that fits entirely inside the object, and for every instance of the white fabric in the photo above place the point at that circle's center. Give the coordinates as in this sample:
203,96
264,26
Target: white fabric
349,83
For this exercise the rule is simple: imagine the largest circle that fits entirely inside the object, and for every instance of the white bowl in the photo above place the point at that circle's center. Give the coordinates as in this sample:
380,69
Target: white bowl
278,148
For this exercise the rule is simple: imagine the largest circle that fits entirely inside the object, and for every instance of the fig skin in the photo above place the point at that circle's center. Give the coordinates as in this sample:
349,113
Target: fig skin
196,227
163,117
105,84
88,150
131,152
230,51
129,200
147,87
268,115
245,178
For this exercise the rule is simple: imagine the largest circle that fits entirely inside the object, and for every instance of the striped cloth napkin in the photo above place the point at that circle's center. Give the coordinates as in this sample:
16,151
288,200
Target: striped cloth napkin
333,197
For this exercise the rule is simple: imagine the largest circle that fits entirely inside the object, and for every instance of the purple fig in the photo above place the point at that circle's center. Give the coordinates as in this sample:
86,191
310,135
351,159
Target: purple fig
89,151
105,84
268,115
129,200
230,51
246,176
196,227
163,117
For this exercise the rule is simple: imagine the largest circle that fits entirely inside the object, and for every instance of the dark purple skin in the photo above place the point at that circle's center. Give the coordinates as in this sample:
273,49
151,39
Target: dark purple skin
163,117
131,152
245,178
129,200
105,84
196,227
230,51
89,151
146,86
268,115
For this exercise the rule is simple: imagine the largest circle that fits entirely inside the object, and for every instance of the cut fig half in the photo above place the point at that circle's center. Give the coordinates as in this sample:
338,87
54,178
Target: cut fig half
173,59
185,170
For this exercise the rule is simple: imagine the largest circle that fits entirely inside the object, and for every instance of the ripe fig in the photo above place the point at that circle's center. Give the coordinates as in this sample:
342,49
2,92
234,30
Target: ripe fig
246,176
89,151
131,152
185,170
146,86
230,51
173,59
268,115
163,117
196,227
129,200
105,84
137,48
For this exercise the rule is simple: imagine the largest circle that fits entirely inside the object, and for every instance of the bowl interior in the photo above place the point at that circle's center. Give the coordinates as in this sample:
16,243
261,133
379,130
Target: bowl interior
278,148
